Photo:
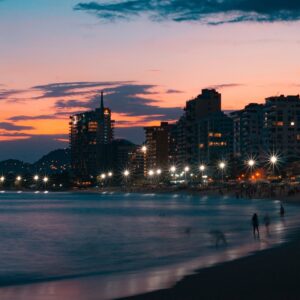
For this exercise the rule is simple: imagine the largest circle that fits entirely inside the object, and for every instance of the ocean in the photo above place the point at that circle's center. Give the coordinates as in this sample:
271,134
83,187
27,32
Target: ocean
121,243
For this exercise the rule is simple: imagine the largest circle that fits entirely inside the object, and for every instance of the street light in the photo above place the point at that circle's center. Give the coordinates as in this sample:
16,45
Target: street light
36,177
2,178
45,179
110,174
186,169
151,173
202,169
158,171
144,149
126,173
222,166
251,163
273,160
173,169
19,178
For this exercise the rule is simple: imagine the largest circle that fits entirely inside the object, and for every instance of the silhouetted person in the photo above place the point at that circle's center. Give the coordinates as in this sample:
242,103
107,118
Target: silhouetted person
267,223
219,236
282,211
255,225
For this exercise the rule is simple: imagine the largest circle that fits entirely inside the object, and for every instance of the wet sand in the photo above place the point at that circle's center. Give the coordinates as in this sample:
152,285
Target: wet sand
269,274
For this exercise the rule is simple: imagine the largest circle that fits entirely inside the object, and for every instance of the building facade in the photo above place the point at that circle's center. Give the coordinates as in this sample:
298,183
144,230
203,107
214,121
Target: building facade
247,132
215,138
204,132
281,129
91,136
158,144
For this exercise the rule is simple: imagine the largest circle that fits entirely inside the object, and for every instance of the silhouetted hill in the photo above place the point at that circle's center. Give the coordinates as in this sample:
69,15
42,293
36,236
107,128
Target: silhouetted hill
57,161
14,166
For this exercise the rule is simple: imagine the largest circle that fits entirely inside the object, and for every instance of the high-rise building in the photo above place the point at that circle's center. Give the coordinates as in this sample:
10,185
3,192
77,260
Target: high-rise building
91,136
204,132
122,152
214,141
247,132
158,146
271,128
281,129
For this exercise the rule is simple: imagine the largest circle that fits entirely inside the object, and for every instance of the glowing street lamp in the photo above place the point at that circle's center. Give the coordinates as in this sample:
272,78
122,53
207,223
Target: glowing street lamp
173,169
151,173
202,168
158,171
36,177
186,169
273,160
144,149
2,179
103,176
126,173
45,179
110,174
19,178
222,166
251,163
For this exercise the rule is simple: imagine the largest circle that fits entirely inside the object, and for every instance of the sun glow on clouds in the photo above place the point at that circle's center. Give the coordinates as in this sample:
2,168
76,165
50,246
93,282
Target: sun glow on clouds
45,109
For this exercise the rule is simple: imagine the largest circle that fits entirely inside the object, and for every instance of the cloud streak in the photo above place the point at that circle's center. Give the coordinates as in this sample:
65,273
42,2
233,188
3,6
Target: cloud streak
67,89
129,99
12,127
212,12
30,118
222,86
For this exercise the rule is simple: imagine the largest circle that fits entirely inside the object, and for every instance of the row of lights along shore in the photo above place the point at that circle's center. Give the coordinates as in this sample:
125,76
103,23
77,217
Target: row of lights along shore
19,179
222,166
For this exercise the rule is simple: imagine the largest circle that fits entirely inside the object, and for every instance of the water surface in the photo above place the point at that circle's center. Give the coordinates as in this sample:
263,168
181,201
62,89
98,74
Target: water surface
122,243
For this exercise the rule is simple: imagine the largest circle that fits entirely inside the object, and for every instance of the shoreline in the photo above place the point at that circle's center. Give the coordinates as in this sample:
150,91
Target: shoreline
260,274
267,274
211,192
187,286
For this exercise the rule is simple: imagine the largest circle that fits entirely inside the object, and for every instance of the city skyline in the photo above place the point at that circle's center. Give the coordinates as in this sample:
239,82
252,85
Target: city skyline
149,69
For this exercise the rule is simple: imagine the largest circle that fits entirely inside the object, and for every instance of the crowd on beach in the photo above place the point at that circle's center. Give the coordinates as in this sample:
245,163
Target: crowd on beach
261,191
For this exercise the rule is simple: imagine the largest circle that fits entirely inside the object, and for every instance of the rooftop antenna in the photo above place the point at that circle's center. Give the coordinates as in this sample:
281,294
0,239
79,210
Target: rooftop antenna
102,102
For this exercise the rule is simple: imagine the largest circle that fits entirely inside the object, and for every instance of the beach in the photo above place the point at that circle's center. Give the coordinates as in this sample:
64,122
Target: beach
100,246
269,274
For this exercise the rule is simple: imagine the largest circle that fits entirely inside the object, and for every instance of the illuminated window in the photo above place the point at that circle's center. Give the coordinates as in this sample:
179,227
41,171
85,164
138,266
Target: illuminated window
279,123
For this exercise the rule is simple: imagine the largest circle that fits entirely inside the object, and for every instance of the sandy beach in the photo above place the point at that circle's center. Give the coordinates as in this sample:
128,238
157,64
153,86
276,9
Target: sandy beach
264,274
269,274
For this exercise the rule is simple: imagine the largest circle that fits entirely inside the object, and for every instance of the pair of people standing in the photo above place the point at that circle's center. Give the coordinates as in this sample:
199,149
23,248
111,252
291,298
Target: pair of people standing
267,221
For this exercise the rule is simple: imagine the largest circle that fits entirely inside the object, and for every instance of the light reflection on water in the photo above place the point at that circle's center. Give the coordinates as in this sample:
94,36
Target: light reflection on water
132,242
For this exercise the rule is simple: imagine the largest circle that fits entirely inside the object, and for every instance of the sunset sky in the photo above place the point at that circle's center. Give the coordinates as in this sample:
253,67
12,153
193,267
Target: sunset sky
149,56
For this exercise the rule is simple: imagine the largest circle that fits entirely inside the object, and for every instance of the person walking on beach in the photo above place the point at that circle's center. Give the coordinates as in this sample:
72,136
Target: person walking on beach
219,236
267,222
255,225
282,211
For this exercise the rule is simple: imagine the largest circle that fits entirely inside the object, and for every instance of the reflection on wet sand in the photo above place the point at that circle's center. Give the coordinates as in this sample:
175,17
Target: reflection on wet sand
100,288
